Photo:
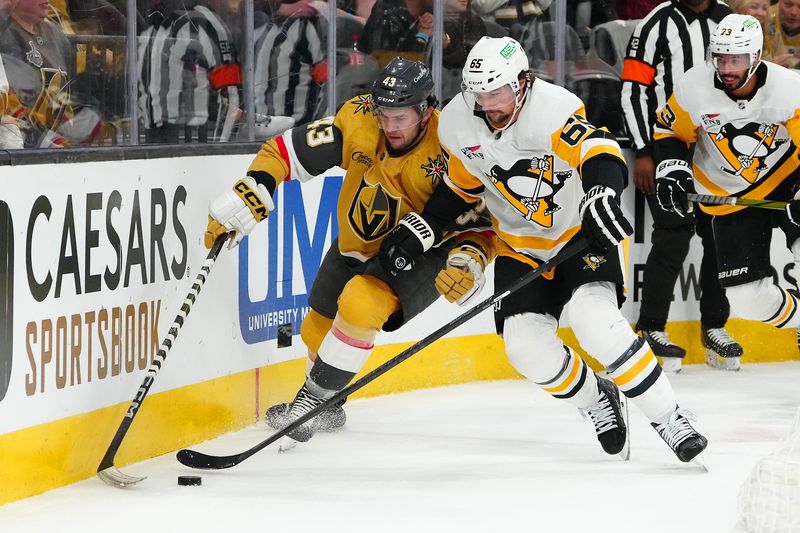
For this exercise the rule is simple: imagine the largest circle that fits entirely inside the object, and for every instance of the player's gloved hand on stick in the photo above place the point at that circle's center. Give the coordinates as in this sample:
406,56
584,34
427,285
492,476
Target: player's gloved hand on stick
238,210
673,180
602,218
793,209
411,238
462,278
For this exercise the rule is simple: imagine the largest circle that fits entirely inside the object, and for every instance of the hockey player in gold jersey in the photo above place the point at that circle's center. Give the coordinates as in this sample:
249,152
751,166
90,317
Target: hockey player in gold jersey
387,142
741,115
547,175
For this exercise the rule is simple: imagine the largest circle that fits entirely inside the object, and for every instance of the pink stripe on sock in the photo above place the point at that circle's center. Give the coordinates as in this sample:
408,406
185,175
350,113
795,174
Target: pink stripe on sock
355,343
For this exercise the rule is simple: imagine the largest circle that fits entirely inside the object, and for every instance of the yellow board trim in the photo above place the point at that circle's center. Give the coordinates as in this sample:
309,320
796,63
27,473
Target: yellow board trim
64,451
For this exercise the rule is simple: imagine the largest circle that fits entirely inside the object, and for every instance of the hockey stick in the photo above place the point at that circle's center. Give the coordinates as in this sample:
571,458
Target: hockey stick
733,200
194,459
107,471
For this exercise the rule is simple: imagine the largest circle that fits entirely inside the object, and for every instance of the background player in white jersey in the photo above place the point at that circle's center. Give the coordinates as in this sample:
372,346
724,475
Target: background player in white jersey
393,162
548,175
742,116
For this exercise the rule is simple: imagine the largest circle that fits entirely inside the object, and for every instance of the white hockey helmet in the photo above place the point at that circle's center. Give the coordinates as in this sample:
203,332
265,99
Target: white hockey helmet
492,63
737,35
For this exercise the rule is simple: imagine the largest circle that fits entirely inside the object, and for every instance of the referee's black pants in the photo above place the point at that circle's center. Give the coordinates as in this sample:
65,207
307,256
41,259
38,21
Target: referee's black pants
670,246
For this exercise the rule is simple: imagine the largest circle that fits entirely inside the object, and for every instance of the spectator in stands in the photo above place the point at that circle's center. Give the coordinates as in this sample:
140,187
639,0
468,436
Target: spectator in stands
784,33
190,77
290,65
40,66
463,27
10,136
758,9
635,9
652,66
398,27
515,14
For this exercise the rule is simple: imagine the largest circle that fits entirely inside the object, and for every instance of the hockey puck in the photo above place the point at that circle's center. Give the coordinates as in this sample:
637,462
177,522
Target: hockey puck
190,481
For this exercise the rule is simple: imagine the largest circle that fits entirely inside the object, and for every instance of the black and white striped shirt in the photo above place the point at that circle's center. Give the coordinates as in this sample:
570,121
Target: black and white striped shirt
189,73
665,44
290,69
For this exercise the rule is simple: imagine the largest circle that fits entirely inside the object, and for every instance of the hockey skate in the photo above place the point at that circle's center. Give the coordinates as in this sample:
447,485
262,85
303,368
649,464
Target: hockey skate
302,404
722,351
610,418
681,437
670,353
329,420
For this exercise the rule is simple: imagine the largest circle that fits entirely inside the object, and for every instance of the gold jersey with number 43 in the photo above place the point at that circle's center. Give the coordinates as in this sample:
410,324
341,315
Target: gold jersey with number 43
379,187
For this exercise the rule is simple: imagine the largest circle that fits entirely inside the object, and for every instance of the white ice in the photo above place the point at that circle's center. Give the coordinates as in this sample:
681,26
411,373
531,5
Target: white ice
499,456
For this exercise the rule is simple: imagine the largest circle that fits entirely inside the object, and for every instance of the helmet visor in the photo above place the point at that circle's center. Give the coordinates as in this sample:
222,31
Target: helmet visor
501,99
397,119
730,63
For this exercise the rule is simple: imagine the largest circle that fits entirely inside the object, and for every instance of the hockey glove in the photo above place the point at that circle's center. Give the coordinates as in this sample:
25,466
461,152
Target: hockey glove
462,278
673,180
602,218
411,238
793,209
238,210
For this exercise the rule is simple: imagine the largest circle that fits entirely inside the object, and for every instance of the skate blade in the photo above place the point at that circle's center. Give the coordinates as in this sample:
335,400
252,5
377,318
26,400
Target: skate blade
286,444
625,454
731,364
700,463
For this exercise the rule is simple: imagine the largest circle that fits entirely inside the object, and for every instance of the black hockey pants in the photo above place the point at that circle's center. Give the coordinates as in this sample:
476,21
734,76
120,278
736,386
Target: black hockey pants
670,246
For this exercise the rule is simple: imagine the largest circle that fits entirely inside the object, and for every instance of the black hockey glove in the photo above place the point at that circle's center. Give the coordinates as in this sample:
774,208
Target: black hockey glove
673,180
411,238
602,218
793,212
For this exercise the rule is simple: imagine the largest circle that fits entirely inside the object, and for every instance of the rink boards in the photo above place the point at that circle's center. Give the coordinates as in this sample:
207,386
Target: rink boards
97,258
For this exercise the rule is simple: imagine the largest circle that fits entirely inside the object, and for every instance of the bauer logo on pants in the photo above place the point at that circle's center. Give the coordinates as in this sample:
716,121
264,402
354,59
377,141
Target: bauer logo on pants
6,297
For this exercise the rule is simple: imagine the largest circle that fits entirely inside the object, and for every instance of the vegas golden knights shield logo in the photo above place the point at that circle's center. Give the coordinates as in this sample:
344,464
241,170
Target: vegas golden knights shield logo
530,185
373,211
746,149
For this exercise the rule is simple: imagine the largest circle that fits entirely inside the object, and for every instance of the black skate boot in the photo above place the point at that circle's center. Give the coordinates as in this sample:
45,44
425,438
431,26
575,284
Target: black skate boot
721,350
610,418
670,353
302,404
327,421
680,436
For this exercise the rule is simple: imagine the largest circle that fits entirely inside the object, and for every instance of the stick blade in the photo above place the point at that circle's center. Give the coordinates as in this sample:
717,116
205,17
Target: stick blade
201,461
116,478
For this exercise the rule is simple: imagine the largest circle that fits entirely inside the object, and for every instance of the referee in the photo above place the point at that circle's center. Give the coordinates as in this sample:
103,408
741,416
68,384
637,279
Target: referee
670,40
190,78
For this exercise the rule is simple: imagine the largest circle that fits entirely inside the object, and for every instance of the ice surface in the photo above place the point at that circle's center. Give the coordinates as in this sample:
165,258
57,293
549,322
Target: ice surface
499,456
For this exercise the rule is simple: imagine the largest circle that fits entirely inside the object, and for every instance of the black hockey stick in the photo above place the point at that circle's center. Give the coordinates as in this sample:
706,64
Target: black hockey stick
107,471
194,459
733,200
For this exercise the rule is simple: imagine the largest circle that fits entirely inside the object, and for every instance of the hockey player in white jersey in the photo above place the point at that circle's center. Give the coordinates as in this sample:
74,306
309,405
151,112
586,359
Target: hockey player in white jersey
547,176
742,116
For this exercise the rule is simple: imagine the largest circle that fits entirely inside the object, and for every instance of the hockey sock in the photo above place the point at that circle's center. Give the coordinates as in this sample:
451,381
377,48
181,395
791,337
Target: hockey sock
764,301
574,382
638,375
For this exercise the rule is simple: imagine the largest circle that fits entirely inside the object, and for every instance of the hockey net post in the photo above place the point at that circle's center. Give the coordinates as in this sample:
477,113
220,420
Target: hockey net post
769,499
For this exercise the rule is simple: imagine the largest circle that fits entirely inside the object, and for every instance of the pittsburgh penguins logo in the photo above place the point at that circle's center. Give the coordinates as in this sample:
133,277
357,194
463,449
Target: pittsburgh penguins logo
530,185
593,261
373,211
746,149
